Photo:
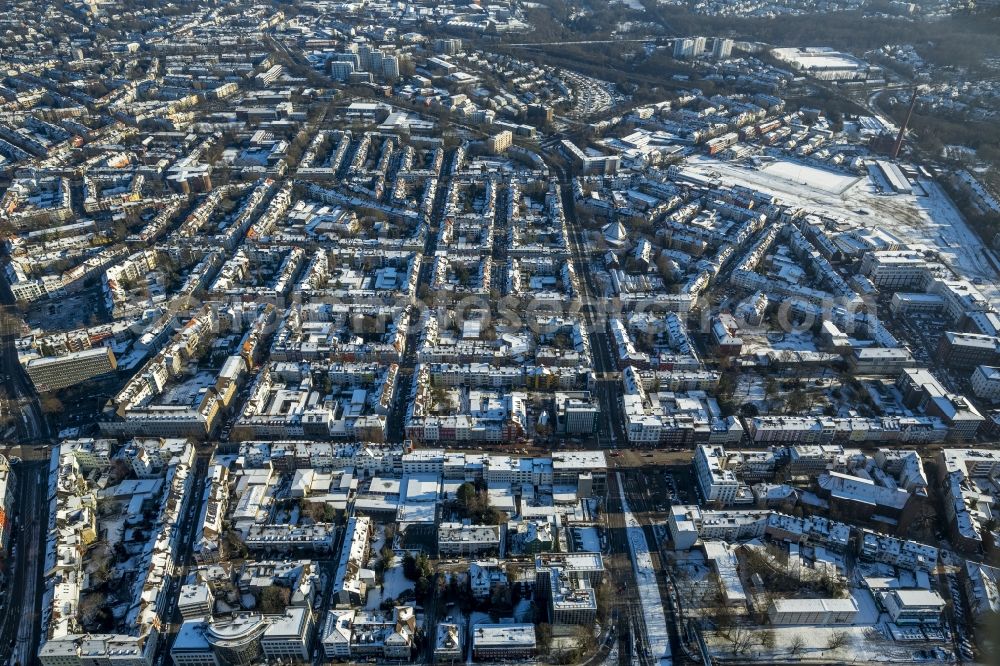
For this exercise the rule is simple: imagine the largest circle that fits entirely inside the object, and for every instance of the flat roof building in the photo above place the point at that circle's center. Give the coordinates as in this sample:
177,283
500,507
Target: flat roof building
813,611
51,373
913,606
503,642
460,539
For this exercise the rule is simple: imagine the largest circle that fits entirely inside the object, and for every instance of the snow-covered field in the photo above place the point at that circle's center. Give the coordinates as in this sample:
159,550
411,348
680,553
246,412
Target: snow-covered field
797,173
649,593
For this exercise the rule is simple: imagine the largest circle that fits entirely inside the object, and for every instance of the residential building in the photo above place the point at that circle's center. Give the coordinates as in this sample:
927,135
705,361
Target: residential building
448,644
500,142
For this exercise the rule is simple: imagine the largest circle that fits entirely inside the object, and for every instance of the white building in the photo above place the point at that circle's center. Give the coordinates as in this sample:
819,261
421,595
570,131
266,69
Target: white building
493,642
913,606
288,637
348,586
690,47
722,48
191,647
337,631
894,269
459,539
986,382
717,484
448,647
813,611
576,413
195,601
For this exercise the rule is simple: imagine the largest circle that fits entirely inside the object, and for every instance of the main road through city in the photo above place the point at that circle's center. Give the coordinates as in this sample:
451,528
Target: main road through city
20,622
634,641
20,615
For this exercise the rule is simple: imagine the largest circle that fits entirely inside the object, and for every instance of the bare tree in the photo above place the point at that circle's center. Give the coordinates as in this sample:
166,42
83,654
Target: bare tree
797,645
837,640
586,643
741,639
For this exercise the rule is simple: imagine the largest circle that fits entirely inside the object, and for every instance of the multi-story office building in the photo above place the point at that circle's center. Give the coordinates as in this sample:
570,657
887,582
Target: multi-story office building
571,598
909,607
967,350
288,637
459,539
586,470
236,641
813,611
51,373
195,601
986,382
717,484
894,269
506,642
191,646
576,413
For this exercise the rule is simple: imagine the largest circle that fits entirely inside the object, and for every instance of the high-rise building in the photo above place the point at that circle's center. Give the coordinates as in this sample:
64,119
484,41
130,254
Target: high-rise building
52,373
341,70
448,46
689,47
390,67
500,142
364,58
722,48
374,62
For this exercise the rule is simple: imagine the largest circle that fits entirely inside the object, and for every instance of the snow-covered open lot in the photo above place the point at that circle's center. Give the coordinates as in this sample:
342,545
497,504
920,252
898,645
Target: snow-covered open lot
824,180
